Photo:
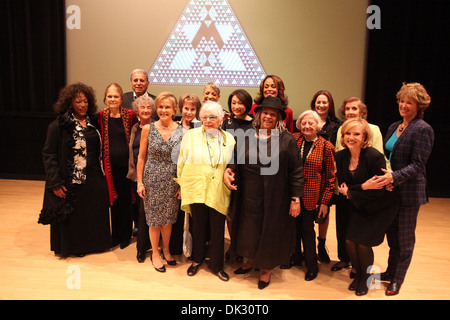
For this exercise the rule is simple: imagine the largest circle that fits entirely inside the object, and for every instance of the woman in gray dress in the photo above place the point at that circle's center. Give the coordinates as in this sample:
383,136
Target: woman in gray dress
155,173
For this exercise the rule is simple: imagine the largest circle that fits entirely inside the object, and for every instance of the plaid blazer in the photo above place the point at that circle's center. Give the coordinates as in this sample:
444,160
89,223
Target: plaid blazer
319,172
408,160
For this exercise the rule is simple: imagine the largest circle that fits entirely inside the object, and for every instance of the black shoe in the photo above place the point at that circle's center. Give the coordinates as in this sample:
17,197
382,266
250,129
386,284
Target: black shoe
124,244
192,270
223,275
340,265
161,269
262,284
310,275
393,289
169,262
240,270
354,285
363,287
140,256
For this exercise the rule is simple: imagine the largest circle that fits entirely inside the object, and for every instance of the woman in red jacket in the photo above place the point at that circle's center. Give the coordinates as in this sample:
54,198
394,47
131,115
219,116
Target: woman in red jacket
318,164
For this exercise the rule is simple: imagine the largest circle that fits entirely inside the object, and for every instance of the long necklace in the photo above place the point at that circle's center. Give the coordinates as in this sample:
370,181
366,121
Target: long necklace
213,166
310,149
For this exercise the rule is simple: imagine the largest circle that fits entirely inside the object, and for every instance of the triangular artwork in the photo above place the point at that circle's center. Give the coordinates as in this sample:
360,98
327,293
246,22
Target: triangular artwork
206,45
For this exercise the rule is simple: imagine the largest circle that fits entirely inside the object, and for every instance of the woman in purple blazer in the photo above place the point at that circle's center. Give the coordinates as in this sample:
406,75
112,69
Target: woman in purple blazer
408,145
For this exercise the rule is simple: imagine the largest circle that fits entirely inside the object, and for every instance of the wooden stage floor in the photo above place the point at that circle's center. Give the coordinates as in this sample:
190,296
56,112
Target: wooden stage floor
29,270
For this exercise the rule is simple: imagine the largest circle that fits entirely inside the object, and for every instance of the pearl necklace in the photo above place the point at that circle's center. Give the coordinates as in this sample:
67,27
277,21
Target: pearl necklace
310,149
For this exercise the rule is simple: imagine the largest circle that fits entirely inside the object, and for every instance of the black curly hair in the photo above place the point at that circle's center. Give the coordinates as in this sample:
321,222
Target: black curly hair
69,92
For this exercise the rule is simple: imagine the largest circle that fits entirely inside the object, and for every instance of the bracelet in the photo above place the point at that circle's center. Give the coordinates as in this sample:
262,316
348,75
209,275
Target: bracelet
140,184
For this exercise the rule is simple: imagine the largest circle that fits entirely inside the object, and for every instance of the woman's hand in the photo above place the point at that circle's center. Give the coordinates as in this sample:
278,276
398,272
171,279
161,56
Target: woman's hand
294,210
229,178
343,189
323,210
178,194
375,183
385,179
141,190
60,192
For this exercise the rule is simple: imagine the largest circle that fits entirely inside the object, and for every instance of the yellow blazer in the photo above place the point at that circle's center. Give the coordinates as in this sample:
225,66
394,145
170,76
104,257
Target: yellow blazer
200,180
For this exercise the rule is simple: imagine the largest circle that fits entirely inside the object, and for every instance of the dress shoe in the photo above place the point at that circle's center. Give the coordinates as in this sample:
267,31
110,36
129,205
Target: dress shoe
310,275
241,270
140,256
393,289
340,265
169,262
124,244
262,284
354,285
192,270
160,269
362,291
223,275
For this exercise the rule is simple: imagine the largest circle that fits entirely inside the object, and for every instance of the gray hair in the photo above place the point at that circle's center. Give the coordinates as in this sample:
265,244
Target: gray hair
305,113
140,71
213,107
145,98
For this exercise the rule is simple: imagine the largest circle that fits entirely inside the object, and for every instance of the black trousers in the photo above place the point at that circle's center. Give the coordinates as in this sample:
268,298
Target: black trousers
207,221
305,233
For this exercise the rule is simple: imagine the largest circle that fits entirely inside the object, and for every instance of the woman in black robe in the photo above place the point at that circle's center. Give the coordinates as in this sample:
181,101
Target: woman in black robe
76,194
268,176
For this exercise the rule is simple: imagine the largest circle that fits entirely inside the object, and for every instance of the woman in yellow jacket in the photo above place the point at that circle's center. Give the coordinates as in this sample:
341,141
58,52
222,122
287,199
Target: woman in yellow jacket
204,154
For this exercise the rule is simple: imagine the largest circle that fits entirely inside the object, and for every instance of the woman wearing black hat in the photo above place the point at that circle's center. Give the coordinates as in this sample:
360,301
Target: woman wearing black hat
269,177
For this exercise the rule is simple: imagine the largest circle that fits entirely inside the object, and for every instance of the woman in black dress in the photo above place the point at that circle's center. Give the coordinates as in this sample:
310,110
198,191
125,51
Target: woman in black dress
268,193
116,123
76,194
372,207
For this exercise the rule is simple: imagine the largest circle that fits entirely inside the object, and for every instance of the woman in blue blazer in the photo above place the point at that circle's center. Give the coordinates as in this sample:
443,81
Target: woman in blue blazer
408,145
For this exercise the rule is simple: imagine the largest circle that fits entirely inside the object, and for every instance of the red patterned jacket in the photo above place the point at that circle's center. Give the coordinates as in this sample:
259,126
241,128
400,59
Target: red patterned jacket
319,172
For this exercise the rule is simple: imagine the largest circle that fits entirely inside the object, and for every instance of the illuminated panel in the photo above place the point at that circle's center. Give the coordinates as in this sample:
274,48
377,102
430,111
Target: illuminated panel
206,45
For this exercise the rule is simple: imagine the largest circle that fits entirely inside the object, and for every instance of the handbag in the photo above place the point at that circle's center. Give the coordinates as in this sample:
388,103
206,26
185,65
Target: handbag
187,237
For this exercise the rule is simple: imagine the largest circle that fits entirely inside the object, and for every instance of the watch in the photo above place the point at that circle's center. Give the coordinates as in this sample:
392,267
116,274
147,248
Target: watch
296,200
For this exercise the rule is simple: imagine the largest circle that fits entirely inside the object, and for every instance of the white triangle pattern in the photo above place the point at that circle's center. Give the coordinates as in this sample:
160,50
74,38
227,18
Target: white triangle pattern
206,45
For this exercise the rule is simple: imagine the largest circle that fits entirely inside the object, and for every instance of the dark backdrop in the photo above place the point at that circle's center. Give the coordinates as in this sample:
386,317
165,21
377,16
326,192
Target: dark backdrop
411,46
32,71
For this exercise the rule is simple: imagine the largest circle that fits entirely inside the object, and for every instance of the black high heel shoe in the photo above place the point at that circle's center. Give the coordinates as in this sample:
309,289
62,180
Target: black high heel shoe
169,262
161,269
241,270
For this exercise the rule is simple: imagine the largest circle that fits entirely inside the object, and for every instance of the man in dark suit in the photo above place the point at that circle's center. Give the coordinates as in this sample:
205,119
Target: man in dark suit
139,85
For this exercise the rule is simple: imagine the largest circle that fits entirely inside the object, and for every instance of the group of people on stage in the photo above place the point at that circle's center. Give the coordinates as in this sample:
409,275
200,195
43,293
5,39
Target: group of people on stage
132,169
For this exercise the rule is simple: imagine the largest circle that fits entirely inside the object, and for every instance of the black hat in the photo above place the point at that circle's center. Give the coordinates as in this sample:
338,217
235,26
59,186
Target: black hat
274,103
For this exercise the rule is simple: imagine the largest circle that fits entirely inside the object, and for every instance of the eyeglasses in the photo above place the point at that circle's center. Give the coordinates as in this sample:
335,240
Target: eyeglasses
212,118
